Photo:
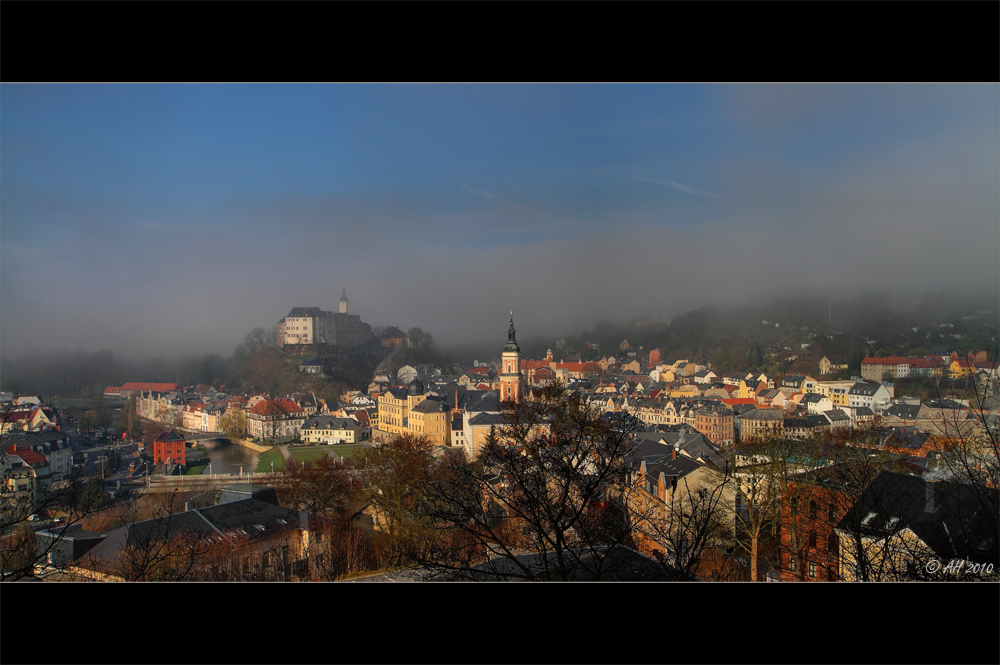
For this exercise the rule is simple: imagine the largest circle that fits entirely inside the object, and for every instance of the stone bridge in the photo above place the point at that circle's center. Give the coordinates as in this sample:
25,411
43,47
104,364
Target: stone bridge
198,483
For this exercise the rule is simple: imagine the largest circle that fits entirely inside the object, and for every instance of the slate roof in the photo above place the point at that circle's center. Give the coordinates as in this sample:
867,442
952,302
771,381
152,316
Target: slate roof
764,414
431,405
947,516
305,311
695,444
329,422
479,400
817,420
241,491
836,415
904,411
247,518
864,388
485,418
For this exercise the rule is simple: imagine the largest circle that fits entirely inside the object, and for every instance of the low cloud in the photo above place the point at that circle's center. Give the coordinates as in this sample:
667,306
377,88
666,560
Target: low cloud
489,196
684,188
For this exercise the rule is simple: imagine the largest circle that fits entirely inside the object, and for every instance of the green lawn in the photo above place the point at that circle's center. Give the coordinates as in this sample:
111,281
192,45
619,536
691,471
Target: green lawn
348,449
196,468
264,461
305,455
69,402
308,454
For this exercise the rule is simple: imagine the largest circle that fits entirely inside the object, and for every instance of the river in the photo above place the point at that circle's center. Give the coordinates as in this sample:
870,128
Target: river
227,457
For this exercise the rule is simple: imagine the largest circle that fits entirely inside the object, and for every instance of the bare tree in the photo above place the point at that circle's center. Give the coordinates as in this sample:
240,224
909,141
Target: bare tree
395,475
258,339
322,487
692,523
155,549
969,445
546,498
760,471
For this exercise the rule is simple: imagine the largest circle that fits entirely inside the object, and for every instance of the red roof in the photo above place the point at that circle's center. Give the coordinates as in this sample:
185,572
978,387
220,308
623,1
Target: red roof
891,360
30,457
15,416
275,407
732,401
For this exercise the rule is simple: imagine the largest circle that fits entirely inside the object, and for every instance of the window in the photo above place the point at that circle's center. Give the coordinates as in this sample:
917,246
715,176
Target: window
832,543
830,512
792,566
812,539
795,505
813,509
812,569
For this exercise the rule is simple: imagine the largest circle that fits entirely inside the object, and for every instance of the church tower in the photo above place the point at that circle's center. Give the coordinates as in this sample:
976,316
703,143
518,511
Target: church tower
343,301
510,376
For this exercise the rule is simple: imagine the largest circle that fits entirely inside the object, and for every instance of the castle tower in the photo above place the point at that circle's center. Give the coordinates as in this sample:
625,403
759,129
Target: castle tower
343,301
510,376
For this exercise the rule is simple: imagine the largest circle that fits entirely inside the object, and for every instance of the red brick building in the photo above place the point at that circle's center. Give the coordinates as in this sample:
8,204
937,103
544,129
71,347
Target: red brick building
169,446
814,503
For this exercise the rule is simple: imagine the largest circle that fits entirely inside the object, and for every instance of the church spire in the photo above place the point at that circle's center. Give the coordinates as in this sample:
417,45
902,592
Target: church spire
511,344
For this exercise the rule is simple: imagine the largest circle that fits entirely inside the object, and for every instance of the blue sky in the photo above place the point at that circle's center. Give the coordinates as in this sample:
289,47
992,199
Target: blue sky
167,219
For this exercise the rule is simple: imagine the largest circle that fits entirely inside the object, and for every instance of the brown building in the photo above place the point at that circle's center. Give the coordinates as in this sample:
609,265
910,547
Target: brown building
716,425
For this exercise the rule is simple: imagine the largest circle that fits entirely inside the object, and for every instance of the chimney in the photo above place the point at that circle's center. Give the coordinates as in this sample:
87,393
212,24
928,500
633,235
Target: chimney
673,453
930,503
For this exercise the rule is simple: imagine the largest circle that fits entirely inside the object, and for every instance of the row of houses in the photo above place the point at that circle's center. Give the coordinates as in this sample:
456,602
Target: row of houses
953,366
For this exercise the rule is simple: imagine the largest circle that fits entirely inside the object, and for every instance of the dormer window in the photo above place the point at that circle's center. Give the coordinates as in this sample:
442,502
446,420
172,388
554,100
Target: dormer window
868,519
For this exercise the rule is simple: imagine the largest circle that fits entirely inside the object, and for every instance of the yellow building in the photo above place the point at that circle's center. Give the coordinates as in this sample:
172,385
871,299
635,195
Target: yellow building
837,391
402,411
329,429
